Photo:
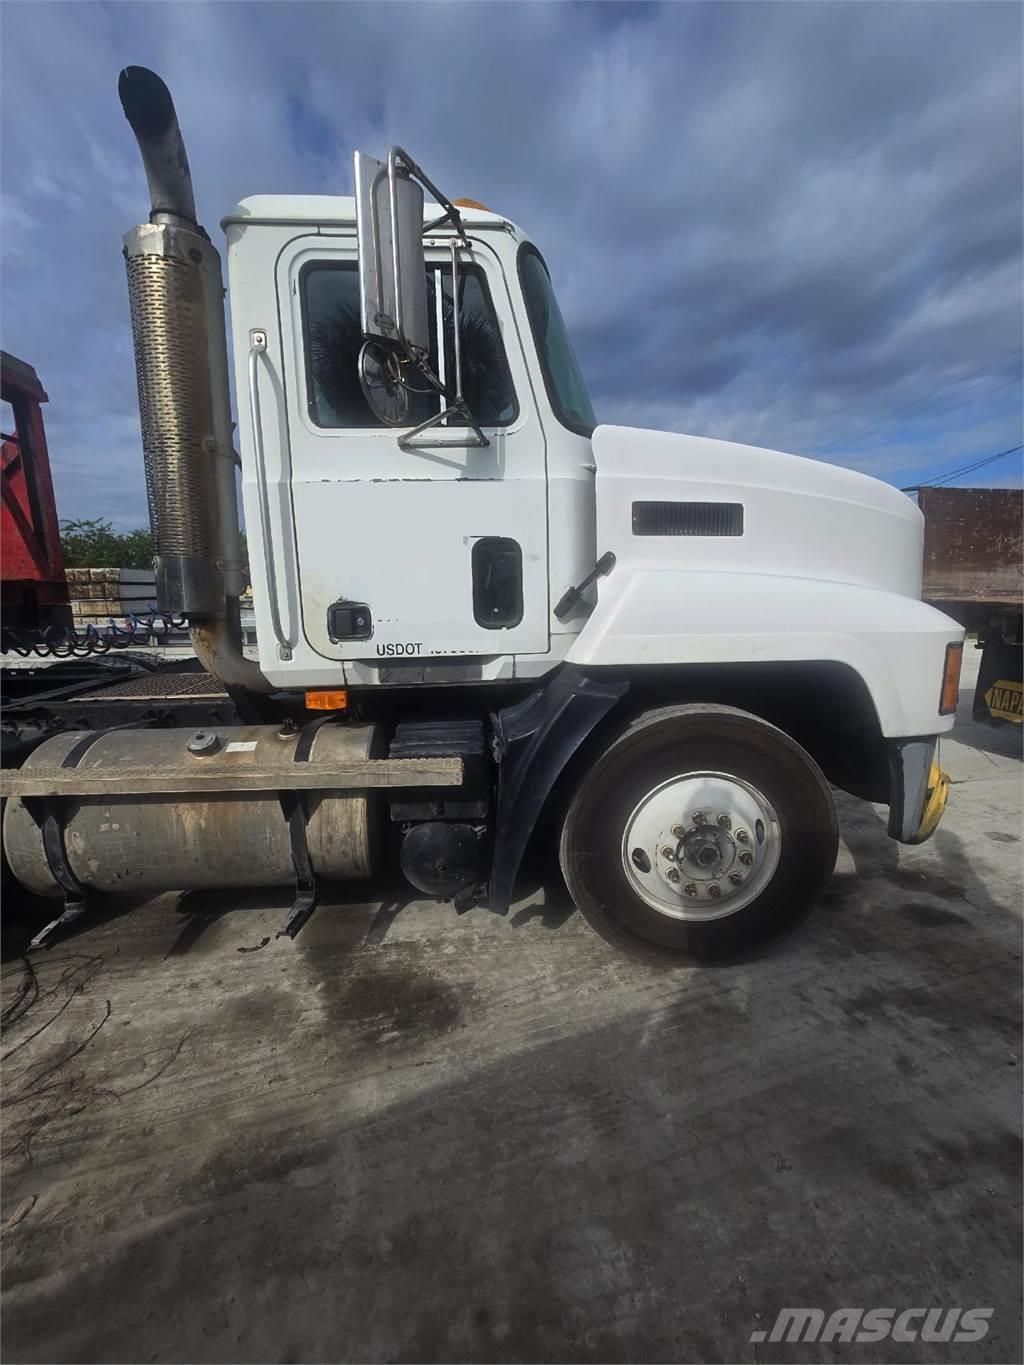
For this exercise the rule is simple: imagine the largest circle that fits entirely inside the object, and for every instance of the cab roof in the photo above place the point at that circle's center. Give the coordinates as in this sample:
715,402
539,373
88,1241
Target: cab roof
337,209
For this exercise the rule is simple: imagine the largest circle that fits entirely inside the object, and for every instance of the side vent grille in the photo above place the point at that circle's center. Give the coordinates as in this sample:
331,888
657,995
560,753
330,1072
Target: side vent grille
687,518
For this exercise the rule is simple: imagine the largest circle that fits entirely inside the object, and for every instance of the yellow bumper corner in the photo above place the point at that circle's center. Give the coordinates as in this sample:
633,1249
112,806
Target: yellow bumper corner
934,804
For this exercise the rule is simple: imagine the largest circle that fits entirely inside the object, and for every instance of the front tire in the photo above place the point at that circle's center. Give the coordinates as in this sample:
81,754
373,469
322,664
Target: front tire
702,834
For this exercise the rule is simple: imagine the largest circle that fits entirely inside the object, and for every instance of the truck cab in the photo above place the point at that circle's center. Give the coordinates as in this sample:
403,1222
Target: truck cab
458,554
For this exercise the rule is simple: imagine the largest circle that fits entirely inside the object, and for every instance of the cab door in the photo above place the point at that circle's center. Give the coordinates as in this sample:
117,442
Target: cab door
434,551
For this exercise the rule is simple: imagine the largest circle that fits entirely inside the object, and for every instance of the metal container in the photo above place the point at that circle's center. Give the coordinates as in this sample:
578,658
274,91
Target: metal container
163,843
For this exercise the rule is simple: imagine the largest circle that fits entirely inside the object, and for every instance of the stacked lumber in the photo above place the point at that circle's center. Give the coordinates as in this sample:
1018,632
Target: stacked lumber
99,596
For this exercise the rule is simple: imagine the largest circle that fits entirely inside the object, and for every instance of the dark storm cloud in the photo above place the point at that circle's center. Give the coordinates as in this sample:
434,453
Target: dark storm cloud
772,223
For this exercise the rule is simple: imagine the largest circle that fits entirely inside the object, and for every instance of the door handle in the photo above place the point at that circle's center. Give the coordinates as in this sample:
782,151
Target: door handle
258,347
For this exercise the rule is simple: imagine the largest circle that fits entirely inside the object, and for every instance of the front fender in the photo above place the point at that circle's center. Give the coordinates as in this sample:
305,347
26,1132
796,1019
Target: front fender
671,617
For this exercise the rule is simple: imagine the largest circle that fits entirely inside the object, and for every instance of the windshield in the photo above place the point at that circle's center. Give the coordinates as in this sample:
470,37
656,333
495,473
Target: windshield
562,378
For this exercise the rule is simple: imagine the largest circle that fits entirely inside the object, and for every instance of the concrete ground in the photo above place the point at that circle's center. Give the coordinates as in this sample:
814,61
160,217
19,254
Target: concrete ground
409,1136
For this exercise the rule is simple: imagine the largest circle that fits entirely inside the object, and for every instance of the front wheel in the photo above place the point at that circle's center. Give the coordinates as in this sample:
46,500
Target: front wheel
701,834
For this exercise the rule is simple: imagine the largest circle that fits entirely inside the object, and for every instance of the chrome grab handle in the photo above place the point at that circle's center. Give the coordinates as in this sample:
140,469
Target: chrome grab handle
258,347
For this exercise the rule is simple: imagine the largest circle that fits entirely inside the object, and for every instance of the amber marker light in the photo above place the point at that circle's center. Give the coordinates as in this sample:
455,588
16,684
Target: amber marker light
951,678
327,701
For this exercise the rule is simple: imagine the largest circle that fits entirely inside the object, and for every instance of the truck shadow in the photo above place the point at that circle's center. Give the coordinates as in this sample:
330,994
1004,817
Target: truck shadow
541,876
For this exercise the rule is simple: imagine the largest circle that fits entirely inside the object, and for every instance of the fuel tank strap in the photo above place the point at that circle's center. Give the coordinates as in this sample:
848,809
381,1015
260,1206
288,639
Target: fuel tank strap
50,815
293,806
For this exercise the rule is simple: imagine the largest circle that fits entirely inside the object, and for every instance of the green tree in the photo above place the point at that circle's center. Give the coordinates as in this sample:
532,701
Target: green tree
96,545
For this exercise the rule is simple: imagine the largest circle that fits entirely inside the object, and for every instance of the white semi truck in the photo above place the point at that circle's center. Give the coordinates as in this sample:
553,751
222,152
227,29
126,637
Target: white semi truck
481,617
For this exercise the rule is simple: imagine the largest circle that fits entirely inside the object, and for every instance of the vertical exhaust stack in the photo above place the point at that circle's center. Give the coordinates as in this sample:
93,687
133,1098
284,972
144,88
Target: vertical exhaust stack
176,296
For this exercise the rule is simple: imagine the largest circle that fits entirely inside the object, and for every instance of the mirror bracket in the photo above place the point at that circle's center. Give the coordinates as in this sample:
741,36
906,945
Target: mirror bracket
407,441
400,162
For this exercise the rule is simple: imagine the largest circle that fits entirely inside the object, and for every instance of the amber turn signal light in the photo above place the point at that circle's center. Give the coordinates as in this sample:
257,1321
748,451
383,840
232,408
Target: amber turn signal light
327,701
951,679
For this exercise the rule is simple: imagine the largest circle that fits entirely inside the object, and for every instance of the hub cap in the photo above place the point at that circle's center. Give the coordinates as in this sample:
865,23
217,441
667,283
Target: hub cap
701,846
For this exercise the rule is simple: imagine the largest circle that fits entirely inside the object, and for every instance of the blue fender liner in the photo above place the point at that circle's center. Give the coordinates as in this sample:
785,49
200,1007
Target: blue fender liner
534,741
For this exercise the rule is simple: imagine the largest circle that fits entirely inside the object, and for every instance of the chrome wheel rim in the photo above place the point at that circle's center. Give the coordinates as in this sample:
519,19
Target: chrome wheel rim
701,846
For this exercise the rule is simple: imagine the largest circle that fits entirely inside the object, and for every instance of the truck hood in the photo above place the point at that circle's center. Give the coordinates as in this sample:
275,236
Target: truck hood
801,518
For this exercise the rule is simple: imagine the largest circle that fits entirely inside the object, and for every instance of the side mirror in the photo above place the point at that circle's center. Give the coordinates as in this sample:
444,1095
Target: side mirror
393,296
392,265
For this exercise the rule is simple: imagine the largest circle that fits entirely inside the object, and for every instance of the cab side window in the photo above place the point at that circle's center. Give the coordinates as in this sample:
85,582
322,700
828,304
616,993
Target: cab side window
333,338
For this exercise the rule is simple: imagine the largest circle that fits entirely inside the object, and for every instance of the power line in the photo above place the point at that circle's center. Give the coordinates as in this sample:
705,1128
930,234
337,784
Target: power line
924,402
936,394
941,406
937,480
978,464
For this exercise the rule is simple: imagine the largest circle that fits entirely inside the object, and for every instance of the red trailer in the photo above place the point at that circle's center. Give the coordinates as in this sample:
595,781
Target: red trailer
35,591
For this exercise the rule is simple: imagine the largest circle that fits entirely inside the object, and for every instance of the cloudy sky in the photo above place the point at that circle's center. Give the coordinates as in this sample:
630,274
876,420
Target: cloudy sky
797,225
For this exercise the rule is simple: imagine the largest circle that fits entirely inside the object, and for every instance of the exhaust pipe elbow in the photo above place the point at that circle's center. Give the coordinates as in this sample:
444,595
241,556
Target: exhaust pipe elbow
218,649
148,107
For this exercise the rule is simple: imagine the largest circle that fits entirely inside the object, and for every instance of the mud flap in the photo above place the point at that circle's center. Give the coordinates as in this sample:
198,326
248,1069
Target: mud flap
1000,690
534,741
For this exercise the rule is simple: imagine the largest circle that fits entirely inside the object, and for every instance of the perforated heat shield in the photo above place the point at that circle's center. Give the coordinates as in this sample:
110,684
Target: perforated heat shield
171,274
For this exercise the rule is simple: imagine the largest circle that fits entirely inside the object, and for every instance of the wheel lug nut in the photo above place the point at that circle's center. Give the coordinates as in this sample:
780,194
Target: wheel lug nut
672,874
699,818
690,889
678,831
735,878
742,837
714,890
668,853
725,822
746,858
